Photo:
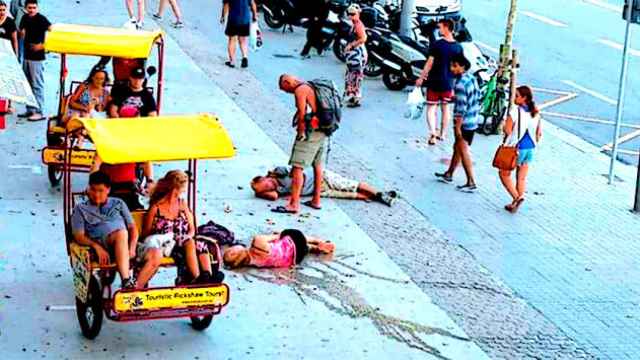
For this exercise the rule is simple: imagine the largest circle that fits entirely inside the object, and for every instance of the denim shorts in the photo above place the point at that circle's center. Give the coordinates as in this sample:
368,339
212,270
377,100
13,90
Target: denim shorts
525,156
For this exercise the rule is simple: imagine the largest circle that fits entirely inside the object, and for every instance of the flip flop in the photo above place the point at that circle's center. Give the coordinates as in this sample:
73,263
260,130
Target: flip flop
310,204
516,205
283,210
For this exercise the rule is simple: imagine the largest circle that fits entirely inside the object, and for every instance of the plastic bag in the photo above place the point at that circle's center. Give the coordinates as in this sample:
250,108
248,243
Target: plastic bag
415,104
255,36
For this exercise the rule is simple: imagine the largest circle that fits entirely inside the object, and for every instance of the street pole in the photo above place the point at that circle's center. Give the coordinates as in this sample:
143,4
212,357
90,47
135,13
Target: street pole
636,203
406,17
621,91
504,66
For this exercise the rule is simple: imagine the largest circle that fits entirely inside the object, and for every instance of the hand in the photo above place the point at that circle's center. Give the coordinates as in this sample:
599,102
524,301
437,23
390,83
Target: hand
301,137
132,251
419,82
103,255
255,17
347,48
458,134
37,47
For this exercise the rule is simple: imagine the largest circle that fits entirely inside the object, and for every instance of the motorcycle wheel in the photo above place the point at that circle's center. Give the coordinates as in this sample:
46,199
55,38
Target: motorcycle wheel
338,49
393,81
373,69
272,21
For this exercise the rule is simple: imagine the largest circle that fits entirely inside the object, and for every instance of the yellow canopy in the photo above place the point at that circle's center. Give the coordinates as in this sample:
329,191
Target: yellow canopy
100,41
163,138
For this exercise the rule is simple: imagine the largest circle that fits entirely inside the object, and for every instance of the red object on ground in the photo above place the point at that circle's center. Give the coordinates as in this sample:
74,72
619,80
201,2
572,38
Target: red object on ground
4,108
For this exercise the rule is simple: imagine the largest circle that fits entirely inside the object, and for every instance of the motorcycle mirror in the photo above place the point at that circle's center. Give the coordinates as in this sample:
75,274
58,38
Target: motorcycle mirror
151,70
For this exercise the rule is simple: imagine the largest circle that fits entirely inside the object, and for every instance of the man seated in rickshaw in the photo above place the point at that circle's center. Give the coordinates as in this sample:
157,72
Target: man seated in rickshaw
134,100
91,96
106,225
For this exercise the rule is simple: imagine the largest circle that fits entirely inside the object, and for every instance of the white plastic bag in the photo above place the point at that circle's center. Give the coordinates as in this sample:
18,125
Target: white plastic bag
255,36
415,104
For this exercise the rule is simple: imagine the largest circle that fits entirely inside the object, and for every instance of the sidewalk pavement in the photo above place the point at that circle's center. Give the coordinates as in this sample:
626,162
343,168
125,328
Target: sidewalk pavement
569,252
359,304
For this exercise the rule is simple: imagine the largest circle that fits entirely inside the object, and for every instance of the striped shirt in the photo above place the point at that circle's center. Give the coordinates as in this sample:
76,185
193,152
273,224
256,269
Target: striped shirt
467,103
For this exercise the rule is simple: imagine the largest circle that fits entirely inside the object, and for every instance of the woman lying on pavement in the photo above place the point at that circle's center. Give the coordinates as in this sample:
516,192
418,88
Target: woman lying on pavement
277,183
169,214
282,250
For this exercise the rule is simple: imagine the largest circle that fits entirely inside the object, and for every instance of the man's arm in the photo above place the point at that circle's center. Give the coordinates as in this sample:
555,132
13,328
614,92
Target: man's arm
301,106
268,195
460,109
225,11
425,71
82,239
14,41
254,11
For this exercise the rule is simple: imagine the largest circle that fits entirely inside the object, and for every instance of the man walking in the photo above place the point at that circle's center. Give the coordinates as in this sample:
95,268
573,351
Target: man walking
308,147
467,107
238,14
33,27
439,79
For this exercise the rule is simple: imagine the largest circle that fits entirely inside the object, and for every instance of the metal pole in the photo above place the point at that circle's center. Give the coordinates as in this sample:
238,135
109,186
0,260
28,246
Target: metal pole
621,91
406,17
636,203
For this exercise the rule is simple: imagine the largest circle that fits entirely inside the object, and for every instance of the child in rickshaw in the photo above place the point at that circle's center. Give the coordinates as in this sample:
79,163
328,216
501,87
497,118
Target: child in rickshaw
105,224
169,214
91,96
281,250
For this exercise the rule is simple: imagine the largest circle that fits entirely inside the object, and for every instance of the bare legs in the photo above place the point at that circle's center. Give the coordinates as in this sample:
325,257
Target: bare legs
432,118
461,155
297,179
446,115
151,264
317,184
244,46
231,47
174,7
129,4
517,192
119,241
191,258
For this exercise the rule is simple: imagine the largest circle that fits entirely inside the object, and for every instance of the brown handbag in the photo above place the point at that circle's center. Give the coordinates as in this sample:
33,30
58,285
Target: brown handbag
506,157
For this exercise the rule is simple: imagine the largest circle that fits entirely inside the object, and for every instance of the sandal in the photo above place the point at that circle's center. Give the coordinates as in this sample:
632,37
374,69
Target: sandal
178,24
283,210
516,204
157,16
310,204
432,140
229,64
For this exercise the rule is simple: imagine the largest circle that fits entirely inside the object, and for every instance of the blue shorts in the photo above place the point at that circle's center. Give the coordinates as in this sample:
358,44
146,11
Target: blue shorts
525,156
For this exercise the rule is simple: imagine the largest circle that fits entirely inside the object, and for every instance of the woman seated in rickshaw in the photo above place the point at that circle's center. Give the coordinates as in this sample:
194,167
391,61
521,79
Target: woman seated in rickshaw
91,96
280,250
169,214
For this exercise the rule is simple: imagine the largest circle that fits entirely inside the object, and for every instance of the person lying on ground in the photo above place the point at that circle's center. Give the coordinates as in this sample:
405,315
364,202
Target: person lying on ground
169,214
278,182
105,224
282,250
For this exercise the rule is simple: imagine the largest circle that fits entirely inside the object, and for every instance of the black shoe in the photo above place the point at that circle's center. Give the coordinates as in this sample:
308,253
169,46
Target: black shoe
204,278
444,177
468,188
388,198
25,114
128,283
229,64
245,62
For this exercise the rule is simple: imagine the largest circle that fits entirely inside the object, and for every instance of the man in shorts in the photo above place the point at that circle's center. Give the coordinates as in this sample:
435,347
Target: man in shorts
439,79
239,14
466,110
105,224
308,147
278,182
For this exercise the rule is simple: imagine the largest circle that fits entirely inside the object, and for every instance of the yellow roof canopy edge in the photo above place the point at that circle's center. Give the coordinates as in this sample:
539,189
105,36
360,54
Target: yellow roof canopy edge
100,41
162,138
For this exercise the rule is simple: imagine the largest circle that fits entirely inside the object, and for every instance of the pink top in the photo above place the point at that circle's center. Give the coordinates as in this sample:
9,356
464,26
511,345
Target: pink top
282,254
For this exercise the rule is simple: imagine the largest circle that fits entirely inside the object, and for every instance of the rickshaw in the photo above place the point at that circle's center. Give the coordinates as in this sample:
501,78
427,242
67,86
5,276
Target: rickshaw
134,140
104,42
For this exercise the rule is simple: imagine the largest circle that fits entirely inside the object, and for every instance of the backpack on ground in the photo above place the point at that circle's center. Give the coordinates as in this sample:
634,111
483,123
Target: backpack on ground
329,105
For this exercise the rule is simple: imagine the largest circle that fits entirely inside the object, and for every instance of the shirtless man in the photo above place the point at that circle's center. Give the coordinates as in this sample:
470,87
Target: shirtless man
308,147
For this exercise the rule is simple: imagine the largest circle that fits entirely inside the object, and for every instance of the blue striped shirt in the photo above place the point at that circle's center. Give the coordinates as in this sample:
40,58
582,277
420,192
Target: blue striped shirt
467,104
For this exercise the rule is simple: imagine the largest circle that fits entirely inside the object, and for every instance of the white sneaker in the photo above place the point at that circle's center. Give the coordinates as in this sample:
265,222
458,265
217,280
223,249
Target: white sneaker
139,25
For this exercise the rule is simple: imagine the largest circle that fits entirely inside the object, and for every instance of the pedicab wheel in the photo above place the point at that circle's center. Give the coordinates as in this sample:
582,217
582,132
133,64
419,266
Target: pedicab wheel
393,81
373,69
272,21
338,48
90,314
55,175
200,323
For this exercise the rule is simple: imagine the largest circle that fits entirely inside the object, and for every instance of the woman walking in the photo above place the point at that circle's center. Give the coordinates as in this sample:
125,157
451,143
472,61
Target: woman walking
239,14
356,58
176,11
523,129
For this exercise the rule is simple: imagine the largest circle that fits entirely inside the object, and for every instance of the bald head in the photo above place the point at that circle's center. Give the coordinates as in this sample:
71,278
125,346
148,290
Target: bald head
288,83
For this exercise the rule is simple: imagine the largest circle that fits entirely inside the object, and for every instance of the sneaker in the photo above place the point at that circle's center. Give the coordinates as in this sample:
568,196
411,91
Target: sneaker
157,16
178,24
468,188
388,197
443,177
245,62
139,25
25,114
36,117
128,283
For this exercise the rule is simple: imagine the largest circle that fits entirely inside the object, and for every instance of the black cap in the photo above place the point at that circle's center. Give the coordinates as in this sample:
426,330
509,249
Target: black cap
138,73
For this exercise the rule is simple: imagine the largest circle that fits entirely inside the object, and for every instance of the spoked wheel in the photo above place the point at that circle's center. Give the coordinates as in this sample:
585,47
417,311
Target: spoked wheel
393,81
90,314
373,69
492,121
201,322
55,175
338,49
272,21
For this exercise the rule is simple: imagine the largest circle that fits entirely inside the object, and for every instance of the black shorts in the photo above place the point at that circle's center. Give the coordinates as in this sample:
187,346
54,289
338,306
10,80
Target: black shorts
467,135
237,30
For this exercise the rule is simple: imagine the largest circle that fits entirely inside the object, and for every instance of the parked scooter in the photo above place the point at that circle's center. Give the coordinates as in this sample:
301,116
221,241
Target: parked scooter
278,13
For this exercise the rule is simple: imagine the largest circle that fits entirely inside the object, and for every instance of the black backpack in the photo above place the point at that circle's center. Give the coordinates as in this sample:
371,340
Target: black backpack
329,105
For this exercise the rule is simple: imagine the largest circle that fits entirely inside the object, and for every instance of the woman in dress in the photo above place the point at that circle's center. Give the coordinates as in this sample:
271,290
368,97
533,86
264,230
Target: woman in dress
356,58
91,96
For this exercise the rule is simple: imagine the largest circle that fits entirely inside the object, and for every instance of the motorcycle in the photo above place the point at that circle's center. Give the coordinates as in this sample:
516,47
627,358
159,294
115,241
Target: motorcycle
279,13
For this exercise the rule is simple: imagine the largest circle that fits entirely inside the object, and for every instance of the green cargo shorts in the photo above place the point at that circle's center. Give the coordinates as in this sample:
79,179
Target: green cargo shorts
308,152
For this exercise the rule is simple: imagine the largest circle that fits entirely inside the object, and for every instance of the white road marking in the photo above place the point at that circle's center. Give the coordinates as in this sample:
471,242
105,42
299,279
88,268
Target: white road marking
557,101
488,47
588,119
35,169
543,19
618,46
60,307
623,139
591,92
605,5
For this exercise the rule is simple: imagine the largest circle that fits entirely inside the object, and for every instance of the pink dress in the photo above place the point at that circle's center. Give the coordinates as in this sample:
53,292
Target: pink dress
282,254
